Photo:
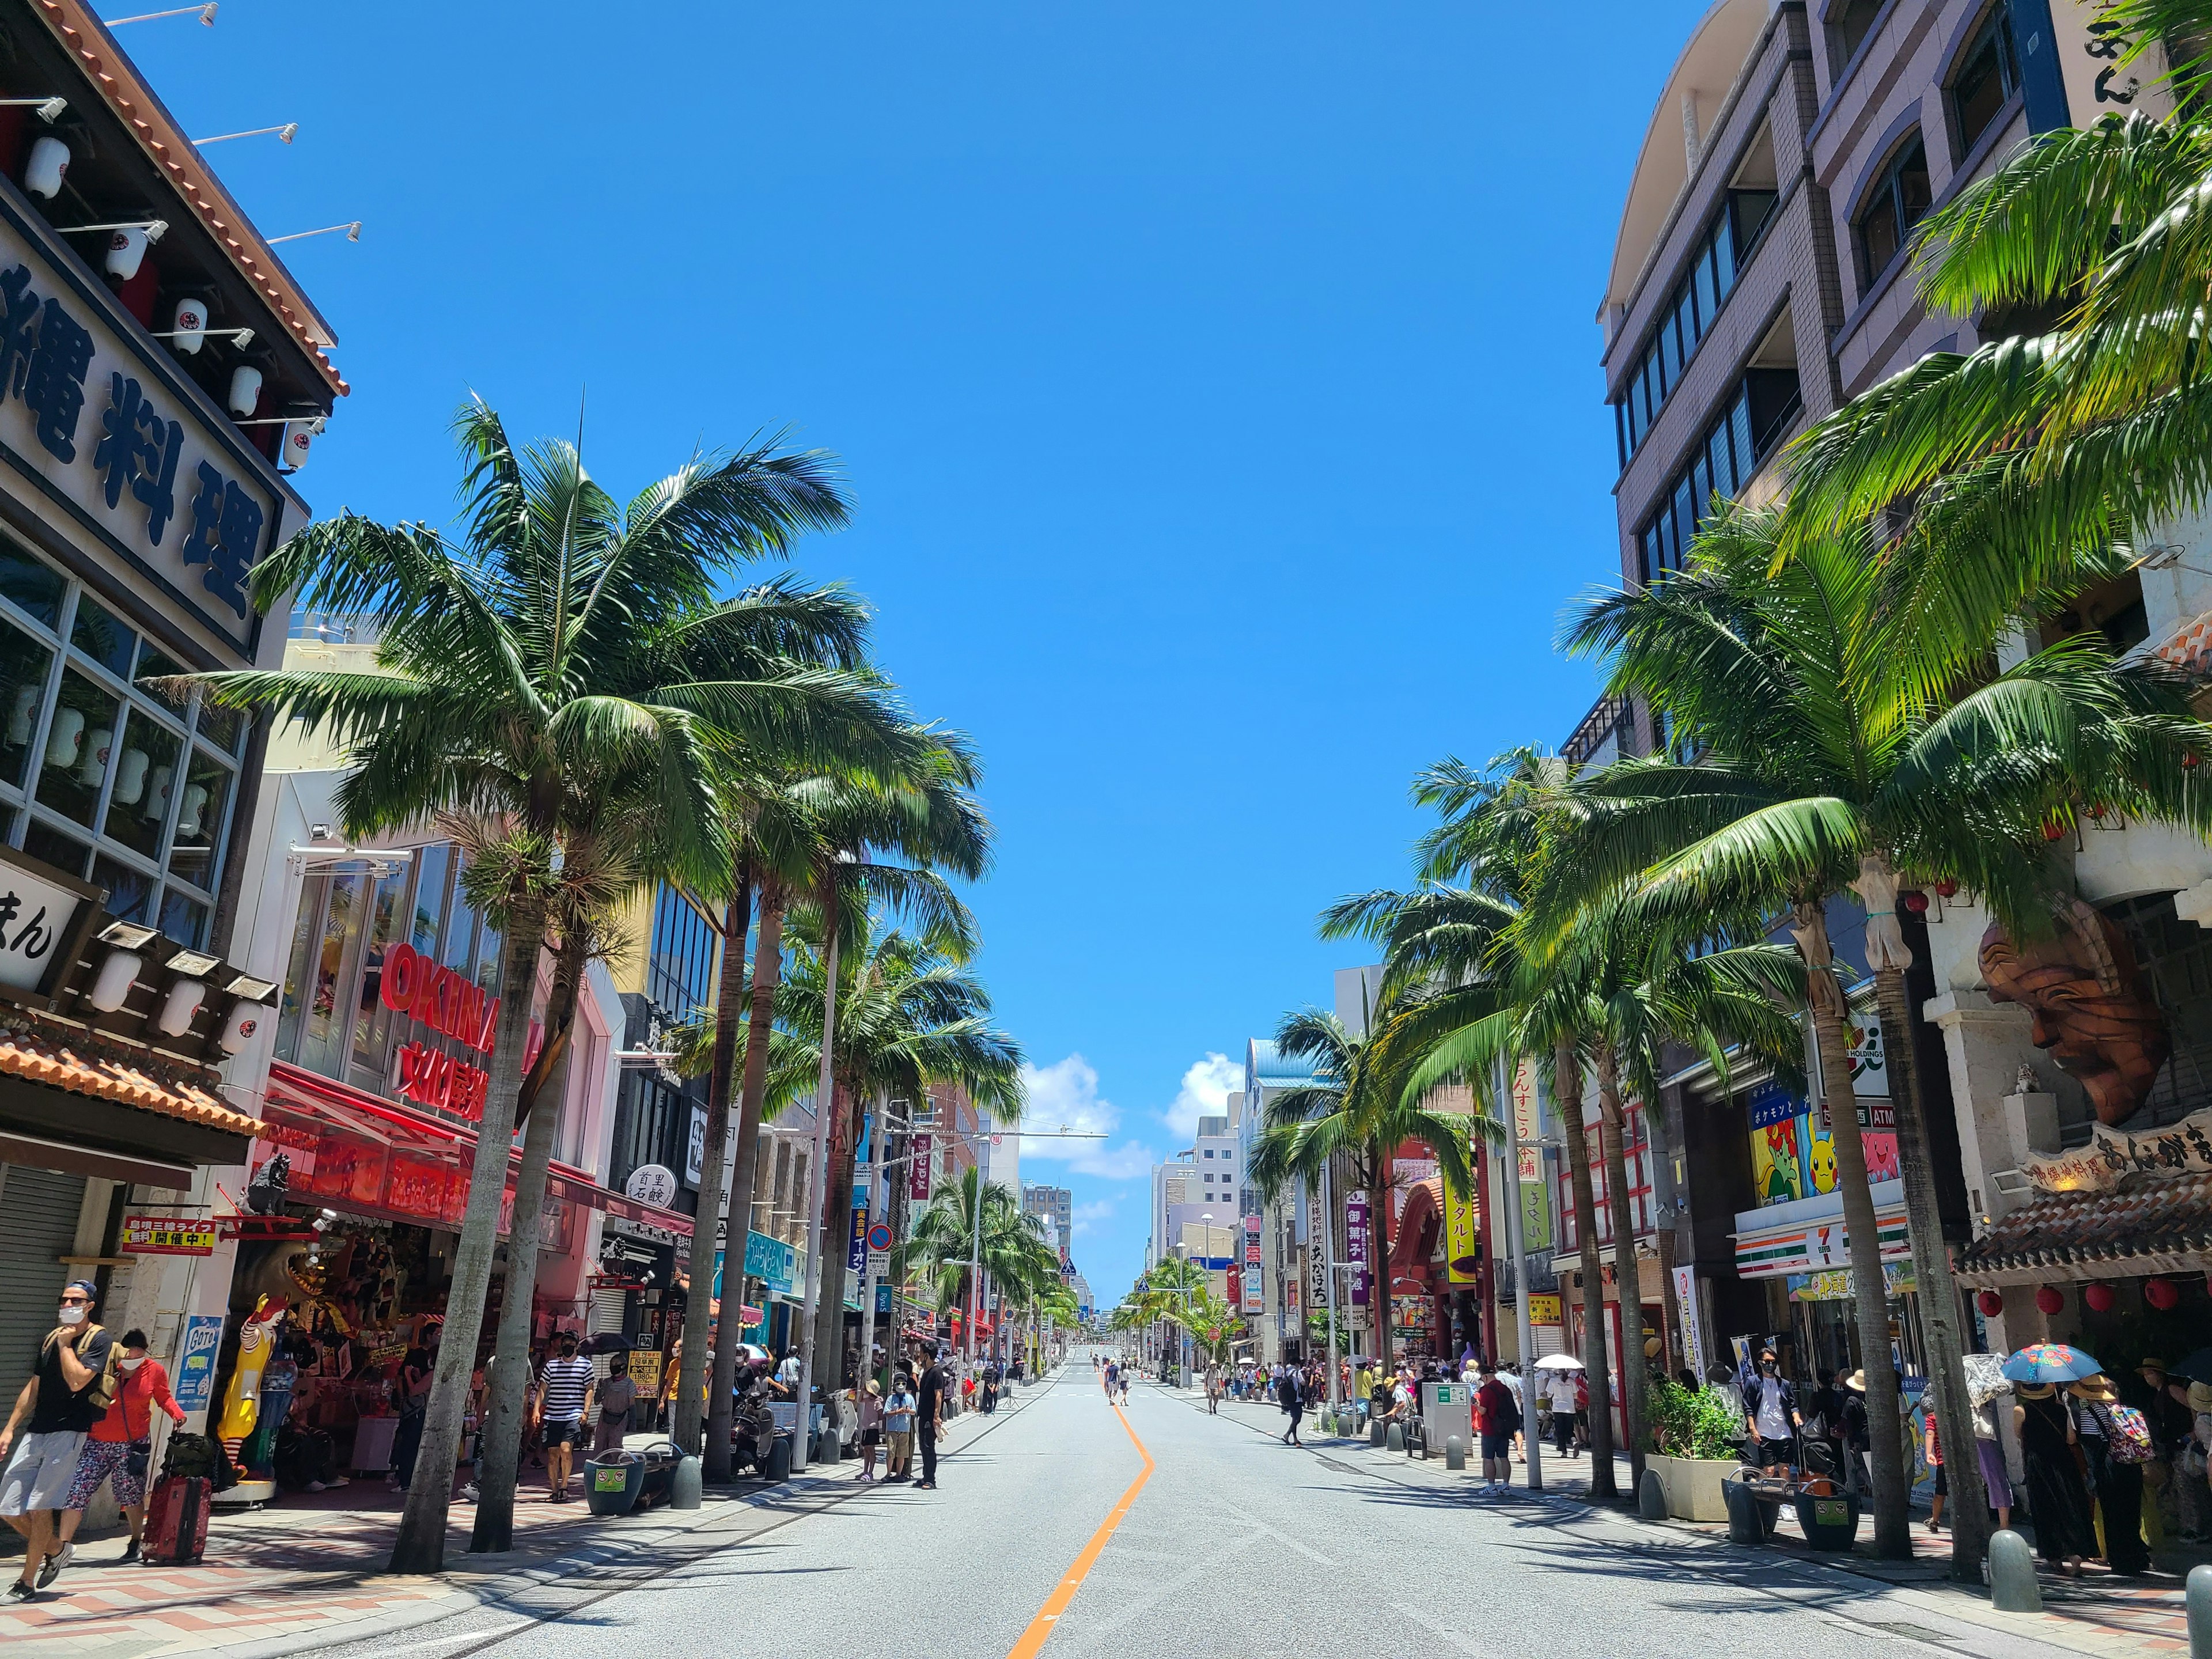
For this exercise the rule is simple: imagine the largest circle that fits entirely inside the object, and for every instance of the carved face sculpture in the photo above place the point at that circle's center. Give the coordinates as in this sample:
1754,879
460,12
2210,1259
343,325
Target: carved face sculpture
2093,1008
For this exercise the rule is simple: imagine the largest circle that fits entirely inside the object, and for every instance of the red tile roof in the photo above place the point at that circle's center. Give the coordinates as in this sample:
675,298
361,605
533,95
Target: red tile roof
128,95
2148,1226
39,1060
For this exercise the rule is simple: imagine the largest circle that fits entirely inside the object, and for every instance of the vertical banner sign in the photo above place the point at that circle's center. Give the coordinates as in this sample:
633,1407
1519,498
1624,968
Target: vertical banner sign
195,1383
1462,1225
1316,1254
1693,1343
1535,1216
1236,1286
1527,1120
1355,1246
1294,1283
856,1253
922,1150
1255,1283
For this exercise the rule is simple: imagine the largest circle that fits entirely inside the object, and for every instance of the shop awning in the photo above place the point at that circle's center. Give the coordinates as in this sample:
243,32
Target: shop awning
1807,1234
352,1150
2148,1226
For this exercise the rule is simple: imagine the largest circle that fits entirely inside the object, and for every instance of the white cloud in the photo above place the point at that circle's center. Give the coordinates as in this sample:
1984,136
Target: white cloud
1086,1217
1206,1090
1065,1096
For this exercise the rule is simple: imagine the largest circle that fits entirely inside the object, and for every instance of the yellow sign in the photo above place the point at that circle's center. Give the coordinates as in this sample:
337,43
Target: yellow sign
645,1369
1544,1308
1462,1228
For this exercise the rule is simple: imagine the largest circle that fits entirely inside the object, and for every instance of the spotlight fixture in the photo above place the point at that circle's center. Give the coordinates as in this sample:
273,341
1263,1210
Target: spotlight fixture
352,230
128,935
154,229
205,14
286,132
242,337
50,109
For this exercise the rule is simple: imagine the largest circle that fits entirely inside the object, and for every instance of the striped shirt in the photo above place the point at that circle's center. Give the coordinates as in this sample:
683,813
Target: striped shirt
566,1381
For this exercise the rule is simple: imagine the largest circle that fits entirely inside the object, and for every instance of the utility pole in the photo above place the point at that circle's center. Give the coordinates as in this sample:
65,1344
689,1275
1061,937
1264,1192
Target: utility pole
1526,1344
818,1172
1329,1270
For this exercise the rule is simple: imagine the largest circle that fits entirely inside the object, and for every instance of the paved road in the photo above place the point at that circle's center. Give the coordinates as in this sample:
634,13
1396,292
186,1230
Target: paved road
1236,1546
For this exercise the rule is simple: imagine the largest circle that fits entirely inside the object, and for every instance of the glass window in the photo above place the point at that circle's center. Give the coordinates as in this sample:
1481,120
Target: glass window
36,588
44,840
143,777
1685,320
370,1030
195,851
153,663
183,919
1896,203
1748,210
1988,76
24,668
295,972
223,727
429,896
97,633
1708,287
130,892
460,925
1847,26
80,743
323,1030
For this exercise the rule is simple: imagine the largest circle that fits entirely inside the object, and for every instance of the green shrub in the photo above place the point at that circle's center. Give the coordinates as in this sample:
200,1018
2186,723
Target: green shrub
1691,1422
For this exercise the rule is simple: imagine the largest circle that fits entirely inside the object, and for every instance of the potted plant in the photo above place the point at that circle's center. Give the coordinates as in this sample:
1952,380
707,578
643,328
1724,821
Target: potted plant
1694,1434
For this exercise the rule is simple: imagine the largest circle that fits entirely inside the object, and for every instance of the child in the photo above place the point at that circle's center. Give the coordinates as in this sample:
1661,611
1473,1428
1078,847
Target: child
898,1428
872,1421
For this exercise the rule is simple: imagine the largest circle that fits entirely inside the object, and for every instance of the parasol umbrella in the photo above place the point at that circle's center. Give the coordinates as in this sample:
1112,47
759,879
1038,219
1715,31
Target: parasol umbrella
1559,1362
2197,1368
2050,1362
1986,1378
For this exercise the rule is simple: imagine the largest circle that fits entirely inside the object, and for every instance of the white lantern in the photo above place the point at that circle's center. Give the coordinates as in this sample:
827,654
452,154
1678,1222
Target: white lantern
131,777
64,736
50,160
95,756
157,798
20,716
191,326
245,389
299,438
126,250
245,1020
117,975
183,1001
191,810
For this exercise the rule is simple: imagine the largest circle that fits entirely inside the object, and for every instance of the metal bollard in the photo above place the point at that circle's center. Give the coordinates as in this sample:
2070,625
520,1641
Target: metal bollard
1454,1452
2198,1595
1651,1497
683,1485
1744,1524
2013,1588
1375,1426
1394,1440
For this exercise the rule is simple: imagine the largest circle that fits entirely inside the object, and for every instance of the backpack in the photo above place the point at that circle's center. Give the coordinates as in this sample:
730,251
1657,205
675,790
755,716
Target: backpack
102,1394
2128,1438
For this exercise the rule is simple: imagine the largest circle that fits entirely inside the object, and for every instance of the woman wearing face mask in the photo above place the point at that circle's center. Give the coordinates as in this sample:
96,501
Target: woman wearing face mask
122,1442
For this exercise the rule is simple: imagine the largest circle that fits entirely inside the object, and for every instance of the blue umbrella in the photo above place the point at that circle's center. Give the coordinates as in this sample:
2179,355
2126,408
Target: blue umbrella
2050,1362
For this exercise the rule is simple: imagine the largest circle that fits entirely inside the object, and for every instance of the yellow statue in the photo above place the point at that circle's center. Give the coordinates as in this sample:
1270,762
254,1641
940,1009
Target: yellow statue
257,1347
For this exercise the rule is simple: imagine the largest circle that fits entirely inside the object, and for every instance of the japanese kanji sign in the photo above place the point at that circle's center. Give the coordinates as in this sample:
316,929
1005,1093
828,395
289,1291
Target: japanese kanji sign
120,434
155,1235
35,918
2183,1148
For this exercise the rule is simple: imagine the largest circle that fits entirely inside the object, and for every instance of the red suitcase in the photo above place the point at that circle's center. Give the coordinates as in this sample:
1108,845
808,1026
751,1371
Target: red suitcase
176,1520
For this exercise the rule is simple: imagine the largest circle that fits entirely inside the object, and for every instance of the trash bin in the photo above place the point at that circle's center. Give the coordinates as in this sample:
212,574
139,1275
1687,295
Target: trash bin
1829,1523
611,1485
660,1461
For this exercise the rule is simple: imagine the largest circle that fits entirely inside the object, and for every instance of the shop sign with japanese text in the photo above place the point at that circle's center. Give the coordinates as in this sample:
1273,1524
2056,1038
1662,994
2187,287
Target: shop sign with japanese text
36,915
2183,1148
115,433
151,1235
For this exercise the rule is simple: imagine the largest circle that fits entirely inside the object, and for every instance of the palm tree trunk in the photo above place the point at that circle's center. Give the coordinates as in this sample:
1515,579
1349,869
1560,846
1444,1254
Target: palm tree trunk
420,1547
1674,1335
1941,1320
1627,1273
1378,1234
721,1080
688,1419
510,1372
1567,1087
1893,1535
836,1242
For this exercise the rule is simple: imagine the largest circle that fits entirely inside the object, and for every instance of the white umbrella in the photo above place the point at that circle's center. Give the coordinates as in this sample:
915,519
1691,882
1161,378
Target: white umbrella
1559,1362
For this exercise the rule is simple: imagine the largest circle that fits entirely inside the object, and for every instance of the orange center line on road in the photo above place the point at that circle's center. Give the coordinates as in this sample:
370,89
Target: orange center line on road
1033,1638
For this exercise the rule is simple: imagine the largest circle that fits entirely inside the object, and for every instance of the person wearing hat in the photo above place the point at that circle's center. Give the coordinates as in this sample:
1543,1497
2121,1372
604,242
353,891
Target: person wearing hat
72,1383
871,1428
2168,1420
2117,1484
2064,1532
1858,1440
2192,1463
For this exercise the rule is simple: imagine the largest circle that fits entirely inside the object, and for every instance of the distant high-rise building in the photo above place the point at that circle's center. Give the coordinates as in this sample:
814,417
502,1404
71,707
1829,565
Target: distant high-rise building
1056,1206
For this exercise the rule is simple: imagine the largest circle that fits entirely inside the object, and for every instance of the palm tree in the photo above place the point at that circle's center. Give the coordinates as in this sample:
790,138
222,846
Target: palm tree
533,651
1825,764
952,1233
1355,1108
1213,1325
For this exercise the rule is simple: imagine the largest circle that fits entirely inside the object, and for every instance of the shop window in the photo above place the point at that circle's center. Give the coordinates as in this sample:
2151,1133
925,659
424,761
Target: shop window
1897,202
52,845
145,780
155,664
371,1028
432,867
1988,78
324,1019
100,637
34,588
26,667
183,920
79,742
130,892
201,815
460,926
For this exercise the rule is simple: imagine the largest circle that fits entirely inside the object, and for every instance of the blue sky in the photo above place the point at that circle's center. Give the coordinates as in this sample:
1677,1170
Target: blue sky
1217,384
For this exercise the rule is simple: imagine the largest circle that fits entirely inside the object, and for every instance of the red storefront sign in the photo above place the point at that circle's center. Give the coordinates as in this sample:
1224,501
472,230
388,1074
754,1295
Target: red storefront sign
920,1150
440,998
439,1079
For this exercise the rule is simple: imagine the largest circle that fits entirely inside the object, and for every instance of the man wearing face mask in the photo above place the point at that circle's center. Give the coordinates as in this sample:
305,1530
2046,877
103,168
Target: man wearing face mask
121,1444
1770,1408
73,1380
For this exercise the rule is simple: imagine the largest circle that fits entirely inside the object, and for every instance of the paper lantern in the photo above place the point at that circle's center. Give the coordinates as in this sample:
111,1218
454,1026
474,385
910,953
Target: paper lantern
1914,900
2100,1298
50,160
2048,1297
126,250
1991,1302
2162,1293
190,323
245,389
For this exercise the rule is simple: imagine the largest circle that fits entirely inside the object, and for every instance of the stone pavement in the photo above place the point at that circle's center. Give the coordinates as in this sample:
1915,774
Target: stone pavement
309,1571
2098,1613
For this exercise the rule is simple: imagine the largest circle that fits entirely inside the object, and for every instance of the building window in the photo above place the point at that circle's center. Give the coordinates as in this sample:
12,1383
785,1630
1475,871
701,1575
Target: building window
1897,202
680,967
1988,76
100,774
1736,445
1849,25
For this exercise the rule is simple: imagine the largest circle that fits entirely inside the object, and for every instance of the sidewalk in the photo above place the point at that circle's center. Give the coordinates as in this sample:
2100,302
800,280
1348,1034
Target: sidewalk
2098,1613
311,1570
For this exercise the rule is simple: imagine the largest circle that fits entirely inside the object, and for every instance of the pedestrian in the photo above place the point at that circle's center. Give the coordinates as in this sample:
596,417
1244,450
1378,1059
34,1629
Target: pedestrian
1510,1376
2116,1444
1858,1430
1213,1387
872,1427
1498,1413
935,1383
1293,1404
1112,1376
1770,1409
898,1428
617,1394
1362,1391
410,1394
1989,1452
120,1445
1931,1448
564,1385
73,1382
1824,1423
2056,1493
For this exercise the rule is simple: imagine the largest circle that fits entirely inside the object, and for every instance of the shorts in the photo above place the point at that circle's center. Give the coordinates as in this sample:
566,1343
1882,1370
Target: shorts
1942,1482
871,1437
1497,1445
900,1443
568,1433
105,1460
39,1472
1773,1453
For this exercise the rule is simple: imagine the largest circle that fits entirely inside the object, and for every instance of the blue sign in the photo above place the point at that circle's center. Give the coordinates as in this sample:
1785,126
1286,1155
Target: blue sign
772,1261
1771,1103
884,1296
195,1380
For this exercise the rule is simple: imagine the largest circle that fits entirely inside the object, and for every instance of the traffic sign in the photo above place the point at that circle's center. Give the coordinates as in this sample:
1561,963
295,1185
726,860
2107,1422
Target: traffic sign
879,1236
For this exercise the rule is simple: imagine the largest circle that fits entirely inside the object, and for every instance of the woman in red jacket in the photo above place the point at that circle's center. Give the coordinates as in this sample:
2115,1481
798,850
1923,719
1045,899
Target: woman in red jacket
126,1434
